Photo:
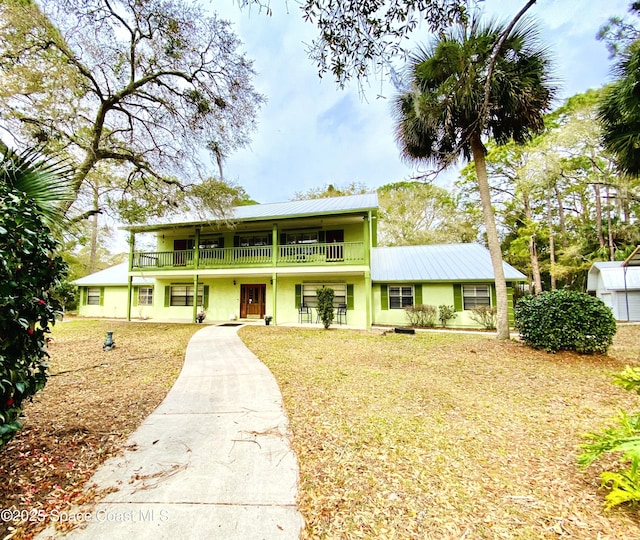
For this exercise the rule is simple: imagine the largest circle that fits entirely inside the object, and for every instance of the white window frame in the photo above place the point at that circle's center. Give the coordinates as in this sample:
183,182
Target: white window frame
145,296
401,296
475,295
310,294
188,294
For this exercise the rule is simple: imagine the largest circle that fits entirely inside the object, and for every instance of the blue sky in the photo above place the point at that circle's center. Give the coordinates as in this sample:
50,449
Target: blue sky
310,133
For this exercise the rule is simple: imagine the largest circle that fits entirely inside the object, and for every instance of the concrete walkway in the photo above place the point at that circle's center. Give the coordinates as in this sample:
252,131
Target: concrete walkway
213,461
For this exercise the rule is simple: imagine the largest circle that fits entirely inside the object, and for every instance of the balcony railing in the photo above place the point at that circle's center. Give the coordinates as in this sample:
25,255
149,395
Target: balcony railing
287,255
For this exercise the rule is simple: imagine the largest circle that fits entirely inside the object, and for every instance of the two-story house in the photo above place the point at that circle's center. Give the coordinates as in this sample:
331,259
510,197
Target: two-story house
270,259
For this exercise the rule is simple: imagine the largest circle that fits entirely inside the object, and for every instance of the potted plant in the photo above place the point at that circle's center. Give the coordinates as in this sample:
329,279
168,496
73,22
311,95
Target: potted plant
267,319
201,316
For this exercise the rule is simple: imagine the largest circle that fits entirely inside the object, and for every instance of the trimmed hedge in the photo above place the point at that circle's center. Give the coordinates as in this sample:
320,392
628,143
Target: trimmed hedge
565,320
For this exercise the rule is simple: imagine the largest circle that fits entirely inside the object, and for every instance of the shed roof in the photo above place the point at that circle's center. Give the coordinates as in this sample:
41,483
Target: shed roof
615,276
281,210
114,275
446,262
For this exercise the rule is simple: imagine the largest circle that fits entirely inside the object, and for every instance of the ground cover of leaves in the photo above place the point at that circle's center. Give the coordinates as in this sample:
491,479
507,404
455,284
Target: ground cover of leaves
452,435
91,403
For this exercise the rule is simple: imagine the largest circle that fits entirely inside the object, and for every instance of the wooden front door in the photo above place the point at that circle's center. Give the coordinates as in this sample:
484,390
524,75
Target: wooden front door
252,301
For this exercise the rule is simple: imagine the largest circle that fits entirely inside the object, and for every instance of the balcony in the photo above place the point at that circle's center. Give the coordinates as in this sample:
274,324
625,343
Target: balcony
253,256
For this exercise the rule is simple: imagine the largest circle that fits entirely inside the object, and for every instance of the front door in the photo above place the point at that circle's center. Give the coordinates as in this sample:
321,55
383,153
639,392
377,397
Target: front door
252,299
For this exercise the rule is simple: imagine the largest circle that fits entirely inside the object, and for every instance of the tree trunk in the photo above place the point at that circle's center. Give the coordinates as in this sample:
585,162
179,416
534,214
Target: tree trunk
552,243
533,251
561,220
535,265
502,319
93,256
596,189
612,249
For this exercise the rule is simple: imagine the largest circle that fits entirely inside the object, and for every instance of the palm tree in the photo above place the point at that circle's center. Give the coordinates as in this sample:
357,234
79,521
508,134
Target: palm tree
619,112
442,115
45,180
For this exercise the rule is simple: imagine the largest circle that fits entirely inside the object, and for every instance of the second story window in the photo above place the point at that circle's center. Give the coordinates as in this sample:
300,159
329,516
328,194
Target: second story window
303,238
211,243
255,240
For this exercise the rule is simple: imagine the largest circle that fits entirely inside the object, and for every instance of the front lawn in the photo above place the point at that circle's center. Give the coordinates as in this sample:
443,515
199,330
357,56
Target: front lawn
445,435
92,402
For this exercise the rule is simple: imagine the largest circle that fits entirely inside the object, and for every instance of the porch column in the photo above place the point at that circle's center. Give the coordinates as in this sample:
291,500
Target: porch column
195,297
274,299
367,298
196,249
129,296
132,243
275,242
132,247
367,239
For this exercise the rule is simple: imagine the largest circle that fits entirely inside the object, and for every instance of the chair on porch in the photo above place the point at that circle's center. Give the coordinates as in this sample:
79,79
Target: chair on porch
304,312
342,314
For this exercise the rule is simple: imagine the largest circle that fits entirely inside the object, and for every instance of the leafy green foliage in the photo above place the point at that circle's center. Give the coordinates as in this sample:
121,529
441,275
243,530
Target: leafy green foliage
325,305
464,86
619,112
565,320
445,314
484,315
422,316
415,213
29,270
629,379
623,438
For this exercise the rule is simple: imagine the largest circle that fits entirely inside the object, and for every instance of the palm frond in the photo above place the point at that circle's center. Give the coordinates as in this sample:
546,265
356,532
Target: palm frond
46,180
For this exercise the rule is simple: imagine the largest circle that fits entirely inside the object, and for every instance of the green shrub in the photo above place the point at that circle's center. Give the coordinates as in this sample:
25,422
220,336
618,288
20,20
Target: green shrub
445,314
422,316
622,439
484,315
565,320
29,270
325,305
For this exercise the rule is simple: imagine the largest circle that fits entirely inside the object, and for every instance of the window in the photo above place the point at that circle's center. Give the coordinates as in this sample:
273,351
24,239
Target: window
255,240
400,297
474,296
211,243
302,238
93,296
182,295
310,296
145,296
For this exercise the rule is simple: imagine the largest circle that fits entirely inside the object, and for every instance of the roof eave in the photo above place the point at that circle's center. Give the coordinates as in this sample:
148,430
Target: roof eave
161,226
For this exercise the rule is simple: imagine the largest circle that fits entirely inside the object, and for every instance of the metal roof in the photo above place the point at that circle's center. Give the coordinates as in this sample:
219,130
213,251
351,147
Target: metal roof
115,275
256,212
615,276
447,262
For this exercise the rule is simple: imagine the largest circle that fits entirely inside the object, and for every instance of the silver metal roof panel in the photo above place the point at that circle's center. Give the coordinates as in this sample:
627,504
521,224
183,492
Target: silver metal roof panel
443,262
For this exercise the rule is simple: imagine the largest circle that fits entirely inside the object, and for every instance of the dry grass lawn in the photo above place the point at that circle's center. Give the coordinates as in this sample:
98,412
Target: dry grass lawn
93,401
446,435
426,436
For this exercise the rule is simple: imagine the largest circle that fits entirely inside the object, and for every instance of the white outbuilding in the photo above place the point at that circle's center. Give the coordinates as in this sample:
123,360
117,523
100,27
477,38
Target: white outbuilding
617,284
